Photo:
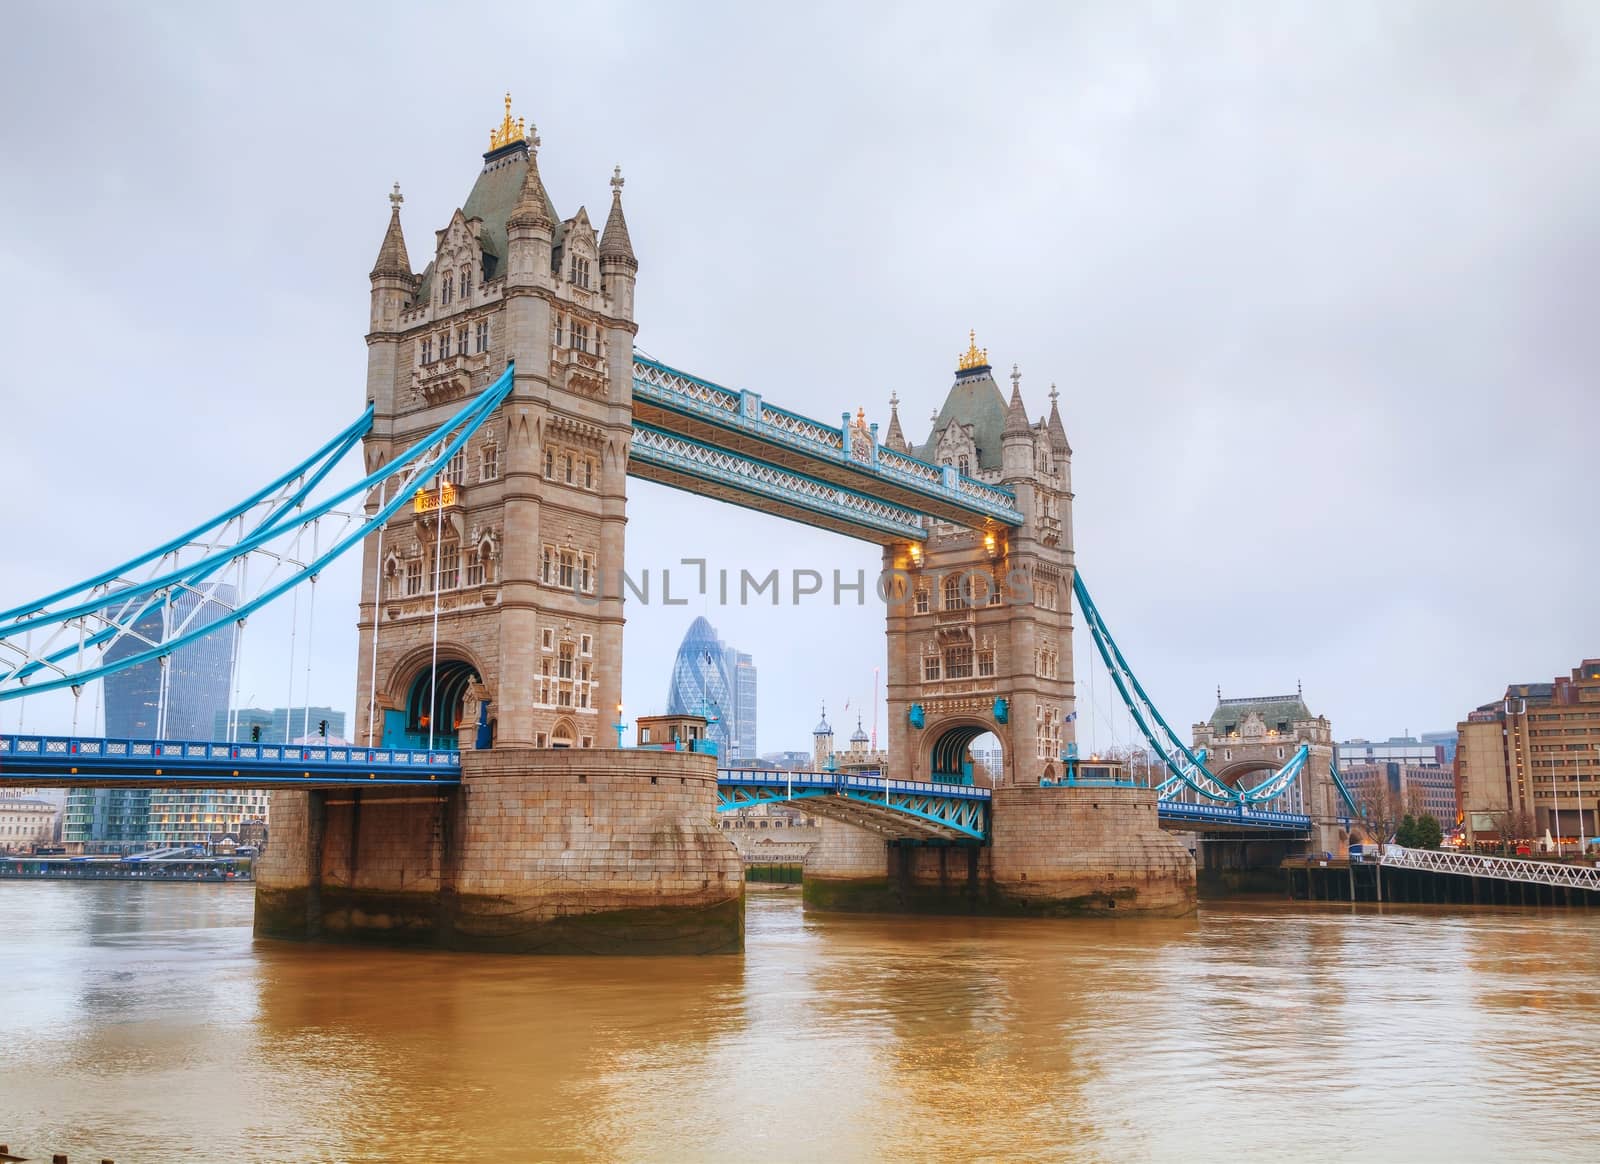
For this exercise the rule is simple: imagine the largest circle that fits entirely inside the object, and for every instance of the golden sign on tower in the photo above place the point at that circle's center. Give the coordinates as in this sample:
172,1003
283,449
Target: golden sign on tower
975,357
509,132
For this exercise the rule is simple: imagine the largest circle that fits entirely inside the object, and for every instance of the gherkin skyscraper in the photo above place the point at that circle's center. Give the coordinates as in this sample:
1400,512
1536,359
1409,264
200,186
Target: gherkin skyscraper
712,679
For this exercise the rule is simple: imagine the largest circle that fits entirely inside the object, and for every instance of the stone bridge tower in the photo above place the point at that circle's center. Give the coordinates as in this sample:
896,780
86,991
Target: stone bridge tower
982,639
555,841
1245,739
510,546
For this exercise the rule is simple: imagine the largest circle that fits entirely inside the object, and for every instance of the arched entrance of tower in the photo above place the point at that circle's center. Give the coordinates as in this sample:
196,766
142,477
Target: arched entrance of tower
966,752
435,701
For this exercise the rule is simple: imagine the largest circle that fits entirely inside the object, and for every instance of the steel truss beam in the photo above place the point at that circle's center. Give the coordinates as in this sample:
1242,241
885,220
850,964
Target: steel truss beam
903,809
688,406
655,454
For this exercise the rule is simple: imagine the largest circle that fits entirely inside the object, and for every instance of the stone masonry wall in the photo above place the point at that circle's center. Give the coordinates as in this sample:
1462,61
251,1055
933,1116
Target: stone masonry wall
596,850
539,851
1054,851
1075,850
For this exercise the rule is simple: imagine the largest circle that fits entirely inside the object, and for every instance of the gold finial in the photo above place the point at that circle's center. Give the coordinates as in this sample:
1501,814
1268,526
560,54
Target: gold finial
975,357
511,131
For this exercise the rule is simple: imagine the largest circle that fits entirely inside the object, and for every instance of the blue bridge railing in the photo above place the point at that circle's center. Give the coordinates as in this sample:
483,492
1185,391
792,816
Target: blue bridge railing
65,759
958,812
1232,814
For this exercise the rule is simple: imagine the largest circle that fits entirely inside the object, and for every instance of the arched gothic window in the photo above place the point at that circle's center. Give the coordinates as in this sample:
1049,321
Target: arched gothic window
962,466
466,283
955,597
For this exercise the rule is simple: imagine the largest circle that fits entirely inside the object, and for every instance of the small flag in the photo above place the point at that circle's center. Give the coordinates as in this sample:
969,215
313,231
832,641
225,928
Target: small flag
1070,717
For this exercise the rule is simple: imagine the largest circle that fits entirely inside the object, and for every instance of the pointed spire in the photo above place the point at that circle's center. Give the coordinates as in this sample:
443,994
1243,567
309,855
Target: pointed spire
614,240
895,439
533,204
392,257
1057,430
1016,414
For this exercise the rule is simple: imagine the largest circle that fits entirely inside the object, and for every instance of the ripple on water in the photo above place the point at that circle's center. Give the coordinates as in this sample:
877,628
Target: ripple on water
143,1022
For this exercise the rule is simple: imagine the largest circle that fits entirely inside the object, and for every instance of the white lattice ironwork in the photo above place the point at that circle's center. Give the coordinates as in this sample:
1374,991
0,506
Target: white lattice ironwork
904,809
810,431
898,464
682,393
655,447
1499,868
670,384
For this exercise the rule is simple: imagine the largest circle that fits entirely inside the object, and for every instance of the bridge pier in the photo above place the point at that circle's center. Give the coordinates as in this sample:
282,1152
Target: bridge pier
1241,865
583,851
1054,852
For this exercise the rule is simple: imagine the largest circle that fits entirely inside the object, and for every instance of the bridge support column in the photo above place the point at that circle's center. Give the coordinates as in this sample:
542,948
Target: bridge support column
848,869
1243,865
583,851
1054,852
1063,851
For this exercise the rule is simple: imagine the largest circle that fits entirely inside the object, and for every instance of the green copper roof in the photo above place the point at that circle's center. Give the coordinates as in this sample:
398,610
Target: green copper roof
1275,709
493,197
974,400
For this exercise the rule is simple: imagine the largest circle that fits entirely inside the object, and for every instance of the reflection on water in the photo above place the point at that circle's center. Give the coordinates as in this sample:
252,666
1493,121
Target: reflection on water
143,1022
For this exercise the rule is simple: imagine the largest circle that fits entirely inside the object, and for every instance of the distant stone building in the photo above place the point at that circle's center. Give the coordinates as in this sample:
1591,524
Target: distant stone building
1245,739
1530,761
25,823
859,757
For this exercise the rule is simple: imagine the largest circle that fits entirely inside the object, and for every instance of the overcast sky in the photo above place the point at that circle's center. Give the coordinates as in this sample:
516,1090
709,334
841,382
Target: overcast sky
1318,284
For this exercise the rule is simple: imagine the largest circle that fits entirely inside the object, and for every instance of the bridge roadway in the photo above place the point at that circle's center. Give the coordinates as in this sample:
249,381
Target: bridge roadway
899,809
721,442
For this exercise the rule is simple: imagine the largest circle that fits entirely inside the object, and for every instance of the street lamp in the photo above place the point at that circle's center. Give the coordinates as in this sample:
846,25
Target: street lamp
620,726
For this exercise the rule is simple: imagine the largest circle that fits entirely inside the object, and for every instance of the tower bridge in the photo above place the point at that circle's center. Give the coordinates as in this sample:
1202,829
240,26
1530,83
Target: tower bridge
506,407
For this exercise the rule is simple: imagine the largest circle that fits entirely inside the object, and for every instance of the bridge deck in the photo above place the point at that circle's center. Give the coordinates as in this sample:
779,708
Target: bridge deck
741,423
75,762
901,809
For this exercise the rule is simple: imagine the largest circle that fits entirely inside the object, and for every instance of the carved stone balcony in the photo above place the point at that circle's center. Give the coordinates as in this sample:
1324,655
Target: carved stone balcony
578,371
448,378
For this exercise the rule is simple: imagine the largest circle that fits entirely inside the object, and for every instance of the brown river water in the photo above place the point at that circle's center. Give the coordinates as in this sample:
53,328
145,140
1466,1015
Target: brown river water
144,1023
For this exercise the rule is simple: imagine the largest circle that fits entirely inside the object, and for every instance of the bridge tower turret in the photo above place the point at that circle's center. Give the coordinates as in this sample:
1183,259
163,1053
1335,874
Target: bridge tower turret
984,641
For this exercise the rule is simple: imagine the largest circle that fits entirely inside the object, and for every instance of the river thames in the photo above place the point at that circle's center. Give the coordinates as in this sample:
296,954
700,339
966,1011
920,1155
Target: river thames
144,1023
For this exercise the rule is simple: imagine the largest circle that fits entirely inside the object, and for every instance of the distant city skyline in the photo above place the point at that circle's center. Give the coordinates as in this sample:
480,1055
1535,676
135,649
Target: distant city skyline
1264,383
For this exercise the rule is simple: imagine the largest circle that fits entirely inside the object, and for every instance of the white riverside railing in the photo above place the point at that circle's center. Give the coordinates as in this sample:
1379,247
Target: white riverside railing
1500,868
